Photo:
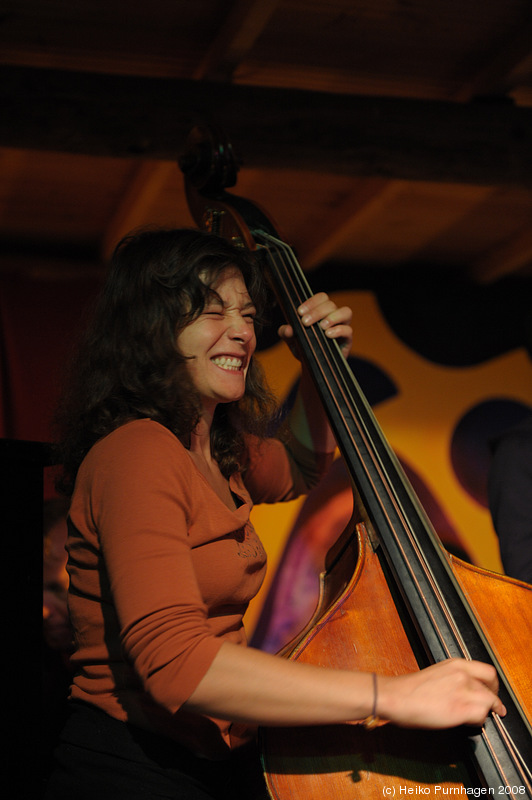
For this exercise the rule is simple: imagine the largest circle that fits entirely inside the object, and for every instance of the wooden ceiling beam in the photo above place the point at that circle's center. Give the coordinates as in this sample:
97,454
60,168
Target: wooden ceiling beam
243,25
147,183
413,232
477,143
514,256
494,76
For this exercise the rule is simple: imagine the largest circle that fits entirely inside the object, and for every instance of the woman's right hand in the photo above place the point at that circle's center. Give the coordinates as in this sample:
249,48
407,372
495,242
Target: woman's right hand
450,693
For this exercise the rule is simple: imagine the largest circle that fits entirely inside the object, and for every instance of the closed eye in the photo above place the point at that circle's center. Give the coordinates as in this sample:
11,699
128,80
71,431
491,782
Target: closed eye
249,311
214,310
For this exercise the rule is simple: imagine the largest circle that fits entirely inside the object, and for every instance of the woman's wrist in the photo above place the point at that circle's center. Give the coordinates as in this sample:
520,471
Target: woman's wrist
372,720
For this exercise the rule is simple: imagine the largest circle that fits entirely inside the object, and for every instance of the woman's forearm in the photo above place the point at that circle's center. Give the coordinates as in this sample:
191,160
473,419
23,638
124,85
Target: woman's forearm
249,686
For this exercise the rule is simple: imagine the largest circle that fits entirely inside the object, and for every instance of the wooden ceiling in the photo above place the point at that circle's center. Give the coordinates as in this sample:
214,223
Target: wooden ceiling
387,134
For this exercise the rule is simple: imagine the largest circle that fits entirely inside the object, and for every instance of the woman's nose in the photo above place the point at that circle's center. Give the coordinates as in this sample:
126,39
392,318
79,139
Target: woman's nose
241,329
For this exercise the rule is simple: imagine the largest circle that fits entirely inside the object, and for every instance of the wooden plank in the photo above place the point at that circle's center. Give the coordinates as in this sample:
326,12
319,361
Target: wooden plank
131,212
514,256
478,143
413,216
244,23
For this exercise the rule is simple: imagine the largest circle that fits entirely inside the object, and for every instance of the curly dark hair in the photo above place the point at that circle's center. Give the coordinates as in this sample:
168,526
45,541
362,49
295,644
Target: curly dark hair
127,364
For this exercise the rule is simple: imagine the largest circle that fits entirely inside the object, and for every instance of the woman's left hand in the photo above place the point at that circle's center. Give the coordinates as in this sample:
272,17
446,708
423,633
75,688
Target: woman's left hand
336,322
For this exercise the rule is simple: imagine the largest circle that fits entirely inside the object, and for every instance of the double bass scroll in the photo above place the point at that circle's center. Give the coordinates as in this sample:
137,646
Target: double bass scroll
420,602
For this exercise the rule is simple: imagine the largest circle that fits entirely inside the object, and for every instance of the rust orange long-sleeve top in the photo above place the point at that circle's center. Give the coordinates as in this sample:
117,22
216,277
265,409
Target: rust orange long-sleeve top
161,573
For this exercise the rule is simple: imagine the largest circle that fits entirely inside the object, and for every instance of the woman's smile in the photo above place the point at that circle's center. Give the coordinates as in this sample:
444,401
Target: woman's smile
227,362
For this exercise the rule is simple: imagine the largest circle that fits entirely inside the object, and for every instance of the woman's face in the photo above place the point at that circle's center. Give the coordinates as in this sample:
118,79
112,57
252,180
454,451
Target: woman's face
221,341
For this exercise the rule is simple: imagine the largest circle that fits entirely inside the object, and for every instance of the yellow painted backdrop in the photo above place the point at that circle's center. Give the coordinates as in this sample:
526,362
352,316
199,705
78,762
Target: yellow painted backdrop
418,423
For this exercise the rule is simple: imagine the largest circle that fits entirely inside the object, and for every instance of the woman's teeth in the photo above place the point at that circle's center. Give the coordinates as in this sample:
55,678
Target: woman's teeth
227,363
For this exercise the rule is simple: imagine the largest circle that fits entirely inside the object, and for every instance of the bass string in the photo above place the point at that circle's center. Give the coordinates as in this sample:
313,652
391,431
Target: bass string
296,291
324,350
511,745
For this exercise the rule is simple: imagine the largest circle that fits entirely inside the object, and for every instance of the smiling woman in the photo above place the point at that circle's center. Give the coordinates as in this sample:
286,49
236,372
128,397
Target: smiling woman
128,365
164,446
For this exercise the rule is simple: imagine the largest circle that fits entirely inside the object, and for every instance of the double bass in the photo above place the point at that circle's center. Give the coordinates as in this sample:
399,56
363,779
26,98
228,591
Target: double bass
392,600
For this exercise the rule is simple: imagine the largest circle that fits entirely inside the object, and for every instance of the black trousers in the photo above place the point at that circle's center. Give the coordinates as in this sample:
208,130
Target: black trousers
101,758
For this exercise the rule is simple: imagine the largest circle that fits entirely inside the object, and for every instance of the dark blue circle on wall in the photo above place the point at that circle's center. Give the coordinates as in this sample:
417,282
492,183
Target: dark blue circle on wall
473,438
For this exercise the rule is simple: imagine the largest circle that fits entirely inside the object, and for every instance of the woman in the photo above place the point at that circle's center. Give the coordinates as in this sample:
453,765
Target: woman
165,452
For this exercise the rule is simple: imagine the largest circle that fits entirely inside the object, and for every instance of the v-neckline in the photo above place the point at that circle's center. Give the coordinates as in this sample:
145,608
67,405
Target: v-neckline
237,501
